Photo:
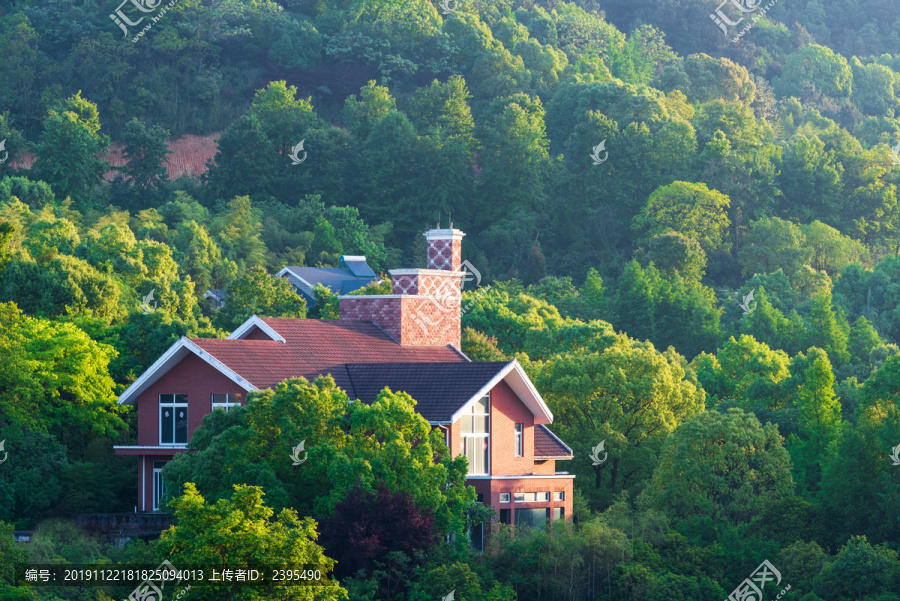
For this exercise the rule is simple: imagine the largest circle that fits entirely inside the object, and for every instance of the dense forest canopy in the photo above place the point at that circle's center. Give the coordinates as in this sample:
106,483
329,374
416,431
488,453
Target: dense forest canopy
687,213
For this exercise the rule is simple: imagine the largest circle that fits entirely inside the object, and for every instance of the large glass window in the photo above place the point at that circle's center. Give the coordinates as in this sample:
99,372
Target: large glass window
224,401
559,513
173,411
476,436
519,442
536,518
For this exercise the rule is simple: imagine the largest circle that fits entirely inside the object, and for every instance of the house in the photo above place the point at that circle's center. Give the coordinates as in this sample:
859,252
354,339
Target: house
407,341
216,298
354,273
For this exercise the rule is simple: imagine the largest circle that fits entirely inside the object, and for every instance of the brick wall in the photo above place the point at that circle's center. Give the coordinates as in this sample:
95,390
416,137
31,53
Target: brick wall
491,490
428,284
410,320
445,254
191,376
506,411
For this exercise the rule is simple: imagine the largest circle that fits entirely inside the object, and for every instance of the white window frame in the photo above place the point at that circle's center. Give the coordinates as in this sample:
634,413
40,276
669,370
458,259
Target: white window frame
483,439
532,497
173,406
520,439
559,496
227,405
504,497
158,486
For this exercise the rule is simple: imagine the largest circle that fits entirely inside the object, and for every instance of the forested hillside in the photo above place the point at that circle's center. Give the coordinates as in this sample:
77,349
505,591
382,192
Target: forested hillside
691,232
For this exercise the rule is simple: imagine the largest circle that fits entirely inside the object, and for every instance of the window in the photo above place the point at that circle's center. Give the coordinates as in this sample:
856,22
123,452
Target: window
504,516
532,497
158,490
479,498
225,401
519,443
559,513
504,497
476,537
476,437
536,518
173,412
559,496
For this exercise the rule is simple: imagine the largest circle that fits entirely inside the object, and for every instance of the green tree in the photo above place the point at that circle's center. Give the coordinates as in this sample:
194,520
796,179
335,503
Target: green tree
823,330
70,150
628,394
241,531
810,180
818,67
145,152
55,378
349,444
862,341
31,481
860,571
820,420
674,253
239,233
6,236
690,209
726,466
255,292
63,283
374,103
772,244
831,250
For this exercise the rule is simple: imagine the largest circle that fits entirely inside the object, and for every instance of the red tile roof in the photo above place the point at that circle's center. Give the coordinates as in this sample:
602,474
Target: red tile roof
546,444
314,347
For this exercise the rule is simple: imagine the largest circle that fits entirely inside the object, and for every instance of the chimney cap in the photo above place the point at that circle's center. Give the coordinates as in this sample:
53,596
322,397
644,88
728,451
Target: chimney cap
444,234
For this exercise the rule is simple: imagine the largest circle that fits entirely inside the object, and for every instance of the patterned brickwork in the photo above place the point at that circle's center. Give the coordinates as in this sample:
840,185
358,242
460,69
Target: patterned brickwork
411,320
445,254
428,284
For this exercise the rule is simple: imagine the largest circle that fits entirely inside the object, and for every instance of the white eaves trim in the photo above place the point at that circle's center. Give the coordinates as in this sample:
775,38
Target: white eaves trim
518,380
170,358
251,323
288,270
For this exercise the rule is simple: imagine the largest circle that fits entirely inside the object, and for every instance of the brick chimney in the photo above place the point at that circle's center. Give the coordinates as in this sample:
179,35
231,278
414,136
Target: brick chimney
424,309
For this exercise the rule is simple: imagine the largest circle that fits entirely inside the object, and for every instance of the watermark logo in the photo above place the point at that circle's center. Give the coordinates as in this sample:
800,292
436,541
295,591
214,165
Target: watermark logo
295,158
5,453
595,155
295,453
450,597
469,274
751,589
447,298
152,589
120,19
145,6
895,154
895,456
445,4
745,7
595,453
145,305
6,153
745,305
